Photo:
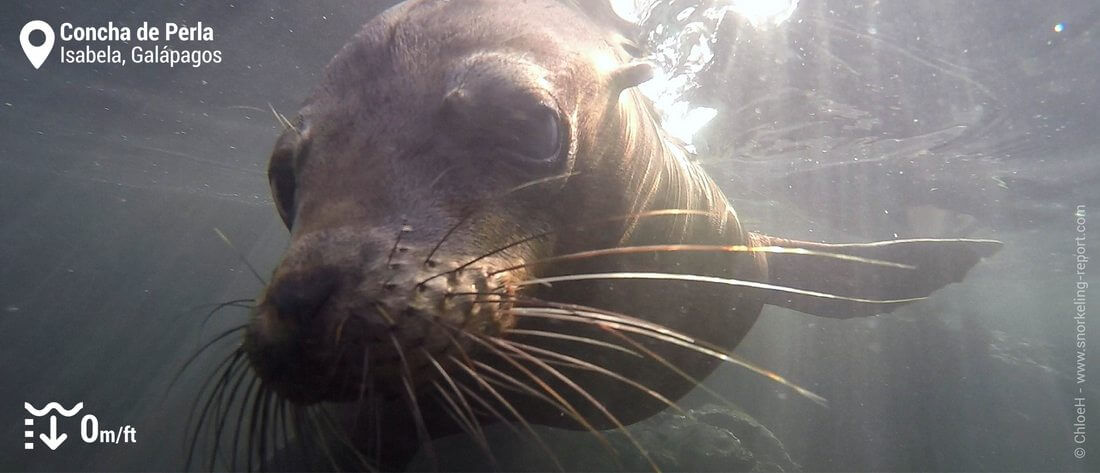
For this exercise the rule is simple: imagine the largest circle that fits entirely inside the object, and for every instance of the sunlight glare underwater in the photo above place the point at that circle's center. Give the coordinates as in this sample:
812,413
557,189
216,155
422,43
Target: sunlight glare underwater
680,119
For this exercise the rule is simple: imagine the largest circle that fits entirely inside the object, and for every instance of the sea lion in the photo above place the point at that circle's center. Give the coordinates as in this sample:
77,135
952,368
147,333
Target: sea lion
488,223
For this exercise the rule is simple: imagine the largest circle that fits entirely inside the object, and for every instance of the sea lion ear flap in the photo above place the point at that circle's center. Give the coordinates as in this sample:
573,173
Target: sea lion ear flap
631,75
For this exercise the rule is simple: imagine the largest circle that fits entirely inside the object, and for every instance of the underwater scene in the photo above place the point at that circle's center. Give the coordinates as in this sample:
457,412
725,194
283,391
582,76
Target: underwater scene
549,235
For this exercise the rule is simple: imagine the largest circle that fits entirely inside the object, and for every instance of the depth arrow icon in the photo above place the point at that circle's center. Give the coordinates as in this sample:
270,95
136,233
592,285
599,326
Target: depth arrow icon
53,440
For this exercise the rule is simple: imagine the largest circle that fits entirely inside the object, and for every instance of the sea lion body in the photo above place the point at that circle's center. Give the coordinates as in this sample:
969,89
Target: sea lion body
455,151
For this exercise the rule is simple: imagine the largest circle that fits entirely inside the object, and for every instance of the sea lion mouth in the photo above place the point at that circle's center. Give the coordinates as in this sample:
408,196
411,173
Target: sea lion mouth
326,333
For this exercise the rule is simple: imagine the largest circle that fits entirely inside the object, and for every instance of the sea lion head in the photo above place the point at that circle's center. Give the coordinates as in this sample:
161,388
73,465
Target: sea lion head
441,139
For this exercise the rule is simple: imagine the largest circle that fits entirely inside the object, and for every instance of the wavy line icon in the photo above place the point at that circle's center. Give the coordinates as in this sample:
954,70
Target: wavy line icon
53,406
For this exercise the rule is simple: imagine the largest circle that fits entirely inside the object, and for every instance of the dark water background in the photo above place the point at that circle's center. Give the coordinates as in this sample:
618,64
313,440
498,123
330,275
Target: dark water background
112,180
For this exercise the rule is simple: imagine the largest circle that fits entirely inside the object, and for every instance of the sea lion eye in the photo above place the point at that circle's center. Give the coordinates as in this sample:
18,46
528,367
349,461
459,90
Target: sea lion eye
537,134
516,125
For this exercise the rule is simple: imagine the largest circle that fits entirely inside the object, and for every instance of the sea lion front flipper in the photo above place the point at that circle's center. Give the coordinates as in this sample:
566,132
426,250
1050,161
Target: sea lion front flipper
924,265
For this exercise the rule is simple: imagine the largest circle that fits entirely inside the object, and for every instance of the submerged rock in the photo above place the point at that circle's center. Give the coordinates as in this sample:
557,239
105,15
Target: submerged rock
709,438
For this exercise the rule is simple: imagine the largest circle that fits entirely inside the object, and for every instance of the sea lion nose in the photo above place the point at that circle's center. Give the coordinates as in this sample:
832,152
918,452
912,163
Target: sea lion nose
297,297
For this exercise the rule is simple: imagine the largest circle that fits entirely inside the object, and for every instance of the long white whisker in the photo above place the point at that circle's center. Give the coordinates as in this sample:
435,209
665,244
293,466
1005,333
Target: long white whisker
682,341
586,340
597,368
685,248
707,279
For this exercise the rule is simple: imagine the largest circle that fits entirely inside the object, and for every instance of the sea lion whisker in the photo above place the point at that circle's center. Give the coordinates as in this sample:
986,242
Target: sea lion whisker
672,367
391,323
594,367
414,405
473,207
520,349
465,216
507,405
239,303
580,390
535,182
280,438
286,415
323,420
564,364
604,315
303,427
493,296
376,413
450,382
558,400
286,124
316,434
311,415
282,419
222,413
467,365
235,369
255,417
450,407
622,318
439,177
710,280
484,404
295,426
462,399
563,405
221,372
300,424
562,336
339,331
460,418
240,255
200,352
677,248
268,427
469,362
469,425
264,428
255,421
225,401
692,344
581,226
363,387
555,399
309,427
248,400
224,305
515,385
276,423
335,373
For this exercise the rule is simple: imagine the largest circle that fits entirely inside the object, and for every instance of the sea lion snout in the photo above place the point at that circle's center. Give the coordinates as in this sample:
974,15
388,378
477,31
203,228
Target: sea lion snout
341,312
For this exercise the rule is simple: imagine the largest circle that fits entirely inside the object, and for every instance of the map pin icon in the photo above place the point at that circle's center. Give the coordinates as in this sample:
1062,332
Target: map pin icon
36,54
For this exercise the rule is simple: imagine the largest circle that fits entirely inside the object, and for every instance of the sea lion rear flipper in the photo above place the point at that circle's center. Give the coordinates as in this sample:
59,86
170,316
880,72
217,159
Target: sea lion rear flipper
865,287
